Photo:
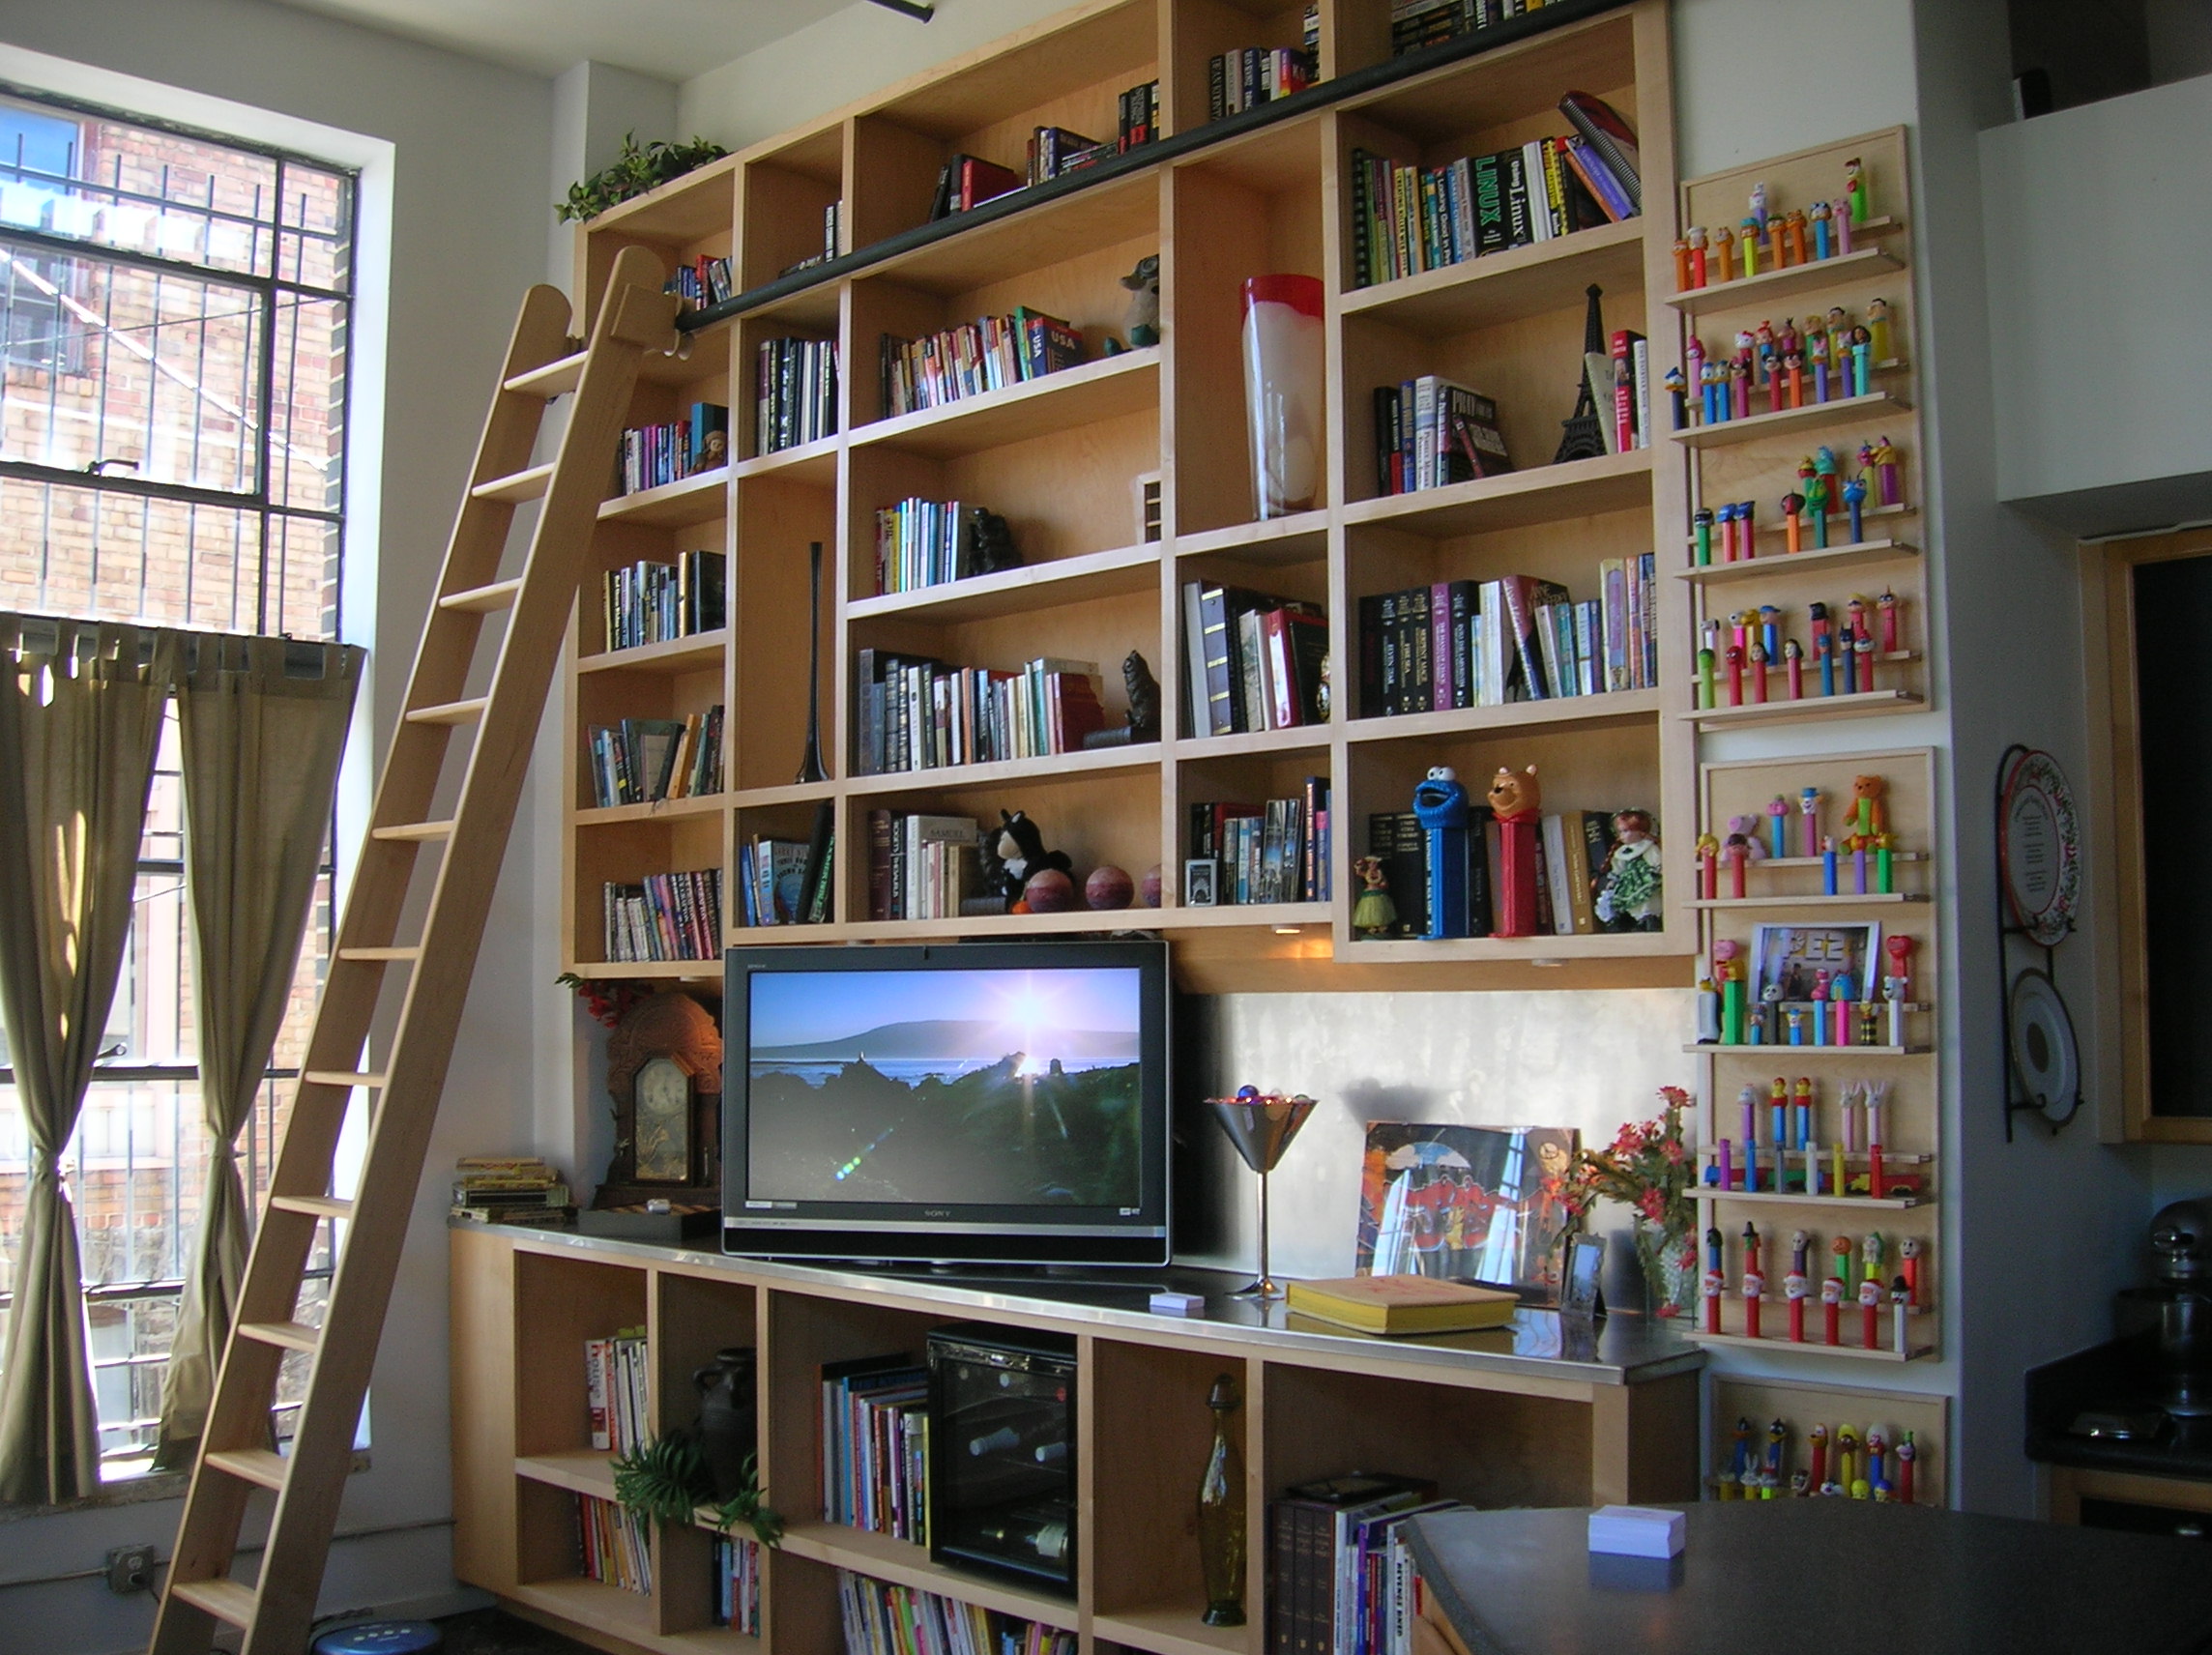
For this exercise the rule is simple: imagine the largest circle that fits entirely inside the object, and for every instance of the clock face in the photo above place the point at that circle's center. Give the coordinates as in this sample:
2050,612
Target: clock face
662,1126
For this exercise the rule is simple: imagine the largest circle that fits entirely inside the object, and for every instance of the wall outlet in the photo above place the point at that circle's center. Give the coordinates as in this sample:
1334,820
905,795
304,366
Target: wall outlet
130,1569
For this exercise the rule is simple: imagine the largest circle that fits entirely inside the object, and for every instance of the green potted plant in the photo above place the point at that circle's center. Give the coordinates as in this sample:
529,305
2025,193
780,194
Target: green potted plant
667,1481
635,170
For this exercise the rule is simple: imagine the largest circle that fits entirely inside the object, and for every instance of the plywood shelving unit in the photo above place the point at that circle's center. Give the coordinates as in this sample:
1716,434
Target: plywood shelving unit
1058,458
1618,1422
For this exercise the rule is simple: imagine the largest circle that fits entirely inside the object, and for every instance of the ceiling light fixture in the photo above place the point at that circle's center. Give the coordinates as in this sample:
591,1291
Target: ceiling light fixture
920,11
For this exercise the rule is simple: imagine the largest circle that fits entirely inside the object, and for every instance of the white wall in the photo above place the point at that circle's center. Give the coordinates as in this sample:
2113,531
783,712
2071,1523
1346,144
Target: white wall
2101,353
467,146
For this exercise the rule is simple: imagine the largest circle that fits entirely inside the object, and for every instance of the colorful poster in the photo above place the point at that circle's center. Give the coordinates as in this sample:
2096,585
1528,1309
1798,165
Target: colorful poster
1478,1203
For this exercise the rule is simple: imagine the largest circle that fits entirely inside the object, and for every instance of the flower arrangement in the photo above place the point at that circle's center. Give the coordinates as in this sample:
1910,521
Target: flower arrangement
1649,1170
1646,1167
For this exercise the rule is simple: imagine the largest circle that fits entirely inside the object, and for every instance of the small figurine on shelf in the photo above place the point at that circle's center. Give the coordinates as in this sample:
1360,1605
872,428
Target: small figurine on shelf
1628,895
1878,330
1855,190
1516,801
1439,805
1870,811
1144,285
1015,854
1373,913
1888,467
1678,394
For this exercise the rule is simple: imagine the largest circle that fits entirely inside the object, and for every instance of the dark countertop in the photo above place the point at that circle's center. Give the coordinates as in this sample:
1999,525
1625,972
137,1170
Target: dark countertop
1538,1344
1816,1576
2113,1377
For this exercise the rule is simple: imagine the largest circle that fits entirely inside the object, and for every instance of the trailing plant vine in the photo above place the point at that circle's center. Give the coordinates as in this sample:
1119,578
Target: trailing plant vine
667,1481
635,170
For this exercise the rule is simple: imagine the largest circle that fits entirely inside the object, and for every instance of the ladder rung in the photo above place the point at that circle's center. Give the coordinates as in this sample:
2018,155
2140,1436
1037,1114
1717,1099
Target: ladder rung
256,1465
314,1206
483,599
554,379
225,1600
413,953
290,1335
516,485
450,712
347,1078
415,831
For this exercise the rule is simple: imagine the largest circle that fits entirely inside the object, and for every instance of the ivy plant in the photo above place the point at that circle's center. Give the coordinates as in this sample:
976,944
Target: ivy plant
635,172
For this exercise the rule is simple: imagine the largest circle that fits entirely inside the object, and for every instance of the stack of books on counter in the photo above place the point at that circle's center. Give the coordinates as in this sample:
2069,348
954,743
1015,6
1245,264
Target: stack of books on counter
510,1189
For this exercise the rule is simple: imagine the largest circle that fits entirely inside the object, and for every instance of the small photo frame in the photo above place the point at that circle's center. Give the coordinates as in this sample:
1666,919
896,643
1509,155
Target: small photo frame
1790,958
1198,875
1579,1279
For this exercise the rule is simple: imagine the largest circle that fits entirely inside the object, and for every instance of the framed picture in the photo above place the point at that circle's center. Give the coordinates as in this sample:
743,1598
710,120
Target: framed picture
1198,881
1790,958
1578,1276
1478,1203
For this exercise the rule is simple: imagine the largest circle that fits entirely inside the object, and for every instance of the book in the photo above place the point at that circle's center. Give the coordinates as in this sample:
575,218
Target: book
1398,1305
1599,125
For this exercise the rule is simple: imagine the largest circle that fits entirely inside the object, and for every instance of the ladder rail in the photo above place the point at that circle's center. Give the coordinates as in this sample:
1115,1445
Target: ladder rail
637,317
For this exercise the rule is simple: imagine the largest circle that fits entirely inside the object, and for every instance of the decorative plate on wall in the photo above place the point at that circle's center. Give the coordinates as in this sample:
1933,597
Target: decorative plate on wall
2039,848
2042,1050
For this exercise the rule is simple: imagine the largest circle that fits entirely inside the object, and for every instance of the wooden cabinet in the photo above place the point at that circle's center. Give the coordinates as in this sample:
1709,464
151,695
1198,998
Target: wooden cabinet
1559,1427
1059,457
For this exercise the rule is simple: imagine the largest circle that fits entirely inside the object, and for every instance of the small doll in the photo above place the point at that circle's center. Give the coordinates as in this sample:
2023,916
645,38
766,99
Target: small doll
1628,893
1374,914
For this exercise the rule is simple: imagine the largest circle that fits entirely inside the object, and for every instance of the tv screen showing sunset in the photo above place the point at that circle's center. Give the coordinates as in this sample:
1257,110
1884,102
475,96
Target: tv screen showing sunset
946,1088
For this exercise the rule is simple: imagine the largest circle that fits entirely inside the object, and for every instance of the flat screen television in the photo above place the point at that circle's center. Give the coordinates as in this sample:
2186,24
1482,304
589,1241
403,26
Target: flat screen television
962,1103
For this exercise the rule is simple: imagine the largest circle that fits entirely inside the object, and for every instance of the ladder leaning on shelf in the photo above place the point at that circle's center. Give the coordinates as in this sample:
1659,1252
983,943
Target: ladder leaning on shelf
235,1458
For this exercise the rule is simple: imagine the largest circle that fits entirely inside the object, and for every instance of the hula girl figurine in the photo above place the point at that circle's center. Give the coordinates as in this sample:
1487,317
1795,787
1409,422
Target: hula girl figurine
1374,914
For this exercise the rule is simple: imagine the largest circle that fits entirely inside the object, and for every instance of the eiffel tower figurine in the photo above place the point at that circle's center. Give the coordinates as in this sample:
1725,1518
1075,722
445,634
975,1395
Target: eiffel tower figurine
1582,437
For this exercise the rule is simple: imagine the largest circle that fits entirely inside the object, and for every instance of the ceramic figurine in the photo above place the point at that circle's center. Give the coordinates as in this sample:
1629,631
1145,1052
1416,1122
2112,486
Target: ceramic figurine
1373,913
1015,854
1517,803
1628,896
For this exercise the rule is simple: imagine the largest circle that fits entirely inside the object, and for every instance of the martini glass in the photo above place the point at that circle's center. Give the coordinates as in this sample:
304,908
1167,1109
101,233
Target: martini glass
1262,1129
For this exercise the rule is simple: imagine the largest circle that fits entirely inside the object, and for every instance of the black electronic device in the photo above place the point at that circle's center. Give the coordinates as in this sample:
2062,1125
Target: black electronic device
953,1103
1002,1436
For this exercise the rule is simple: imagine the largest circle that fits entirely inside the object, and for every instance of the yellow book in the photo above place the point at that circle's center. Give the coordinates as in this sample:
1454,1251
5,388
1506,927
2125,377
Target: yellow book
1403,1304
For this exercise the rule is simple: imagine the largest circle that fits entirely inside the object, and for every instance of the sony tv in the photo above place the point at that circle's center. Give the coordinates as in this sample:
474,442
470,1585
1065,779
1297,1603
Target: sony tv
1002,1103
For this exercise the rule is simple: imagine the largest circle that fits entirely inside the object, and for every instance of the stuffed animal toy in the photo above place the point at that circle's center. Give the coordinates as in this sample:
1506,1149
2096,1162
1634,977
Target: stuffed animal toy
1015,854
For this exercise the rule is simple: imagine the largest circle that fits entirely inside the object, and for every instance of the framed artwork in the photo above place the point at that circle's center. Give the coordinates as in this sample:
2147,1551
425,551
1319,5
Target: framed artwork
1478,1203
1790,958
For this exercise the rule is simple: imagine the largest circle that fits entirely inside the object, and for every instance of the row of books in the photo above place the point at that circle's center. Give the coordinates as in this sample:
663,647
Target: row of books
921,714
614,1545
1418,23
1054,152
1277,852
1466,643
795,392
1431,432
926,867
1341,1578
1245,78
736,1585
788,882
832,240
1251,661
966,181
881,1620
702,282
1622,383
988,354
651,602
927,542
1573,848
875,1445
655,454
643,760
668,917
1139,115
504,1189
1406,219
615,1392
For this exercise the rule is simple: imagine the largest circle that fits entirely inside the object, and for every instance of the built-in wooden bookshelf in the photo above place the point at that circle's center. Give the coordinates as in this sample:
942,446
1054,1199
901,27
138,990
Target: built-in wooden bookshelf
1058,458
1496,1418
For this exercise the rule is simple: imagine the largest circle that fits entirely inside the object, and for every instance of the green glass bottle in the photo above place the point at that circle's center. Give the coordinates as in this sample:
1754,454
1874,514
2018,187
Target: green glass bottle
1221,1513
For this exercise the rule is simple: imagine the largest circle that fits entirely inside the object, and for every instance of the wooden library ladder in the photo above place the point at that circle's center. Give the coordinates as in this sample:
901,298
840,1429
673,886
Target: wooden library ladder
235,1455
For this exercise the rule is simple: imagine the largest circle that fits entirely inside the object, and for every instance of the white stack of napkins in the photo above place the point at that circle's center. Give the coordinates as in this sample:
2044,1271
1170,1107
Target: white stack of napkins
1637,1531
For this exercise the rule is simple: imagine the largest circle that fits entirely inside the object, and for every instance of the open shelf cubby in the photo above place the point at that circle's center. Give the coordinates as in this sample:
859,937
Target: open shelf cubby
1064,457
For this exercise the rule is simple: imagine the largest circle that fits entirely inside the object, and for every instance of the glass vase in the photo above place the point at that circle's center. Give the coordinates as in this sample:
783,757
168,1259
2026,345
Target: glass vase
1283,390
1221,1513
1670,1262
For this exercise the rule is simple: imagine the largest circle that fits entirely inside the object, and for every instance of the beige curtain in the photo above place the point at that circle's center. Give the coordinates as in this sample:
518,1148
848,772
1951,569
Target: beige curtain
80,718
260,760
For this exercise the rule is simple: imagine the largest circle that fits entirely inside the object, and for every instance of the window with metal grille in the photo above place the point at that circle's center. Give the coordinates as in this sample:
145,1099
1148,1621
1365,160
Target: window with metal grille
173,330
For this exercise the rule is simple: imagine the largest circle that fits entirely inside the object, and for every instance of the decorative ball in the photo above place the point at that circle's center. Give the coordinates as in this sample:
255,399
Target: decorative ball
1108,886
1150,889
1049,891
